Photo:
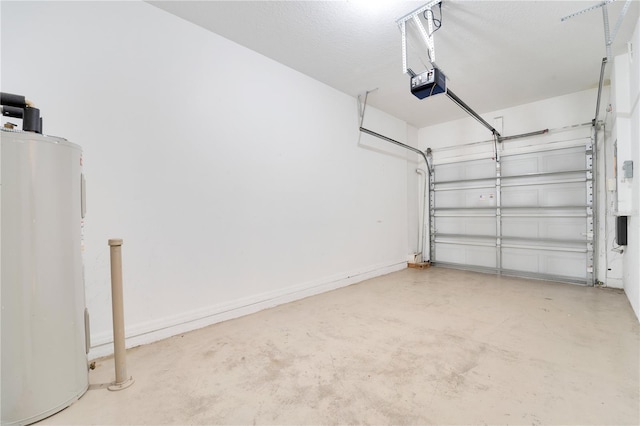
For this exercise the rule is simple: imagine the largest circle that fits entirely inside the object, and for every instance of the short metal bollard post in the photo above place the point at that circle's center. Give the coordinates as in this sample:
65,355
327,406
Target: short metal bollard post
123,381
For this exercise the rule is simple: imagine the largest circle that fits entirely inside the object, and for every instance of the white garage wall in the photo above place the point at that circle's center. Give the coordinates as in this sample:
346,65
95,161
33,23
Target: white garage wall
627,122
415,190
235,182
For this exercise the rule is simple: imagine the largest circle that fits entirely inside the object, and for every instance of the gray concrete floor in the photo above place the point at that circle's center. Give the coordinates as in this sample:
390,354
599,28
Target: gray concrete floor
433,346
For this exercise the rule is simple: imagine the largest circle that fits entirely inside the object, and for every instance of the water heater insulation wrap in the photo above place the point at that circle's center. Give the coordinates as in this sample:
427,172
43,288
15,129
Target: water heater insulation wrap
44,361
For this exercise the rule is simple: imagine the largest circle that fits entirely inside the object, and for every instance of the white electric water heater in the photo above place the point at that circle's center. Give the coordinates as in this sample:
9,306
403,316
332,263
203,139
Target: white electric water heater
44,320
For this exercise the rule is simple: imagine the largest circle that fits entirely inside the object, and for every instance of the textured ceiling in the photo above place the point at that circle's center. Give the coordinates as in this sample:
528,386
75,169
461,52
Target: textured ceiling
496,54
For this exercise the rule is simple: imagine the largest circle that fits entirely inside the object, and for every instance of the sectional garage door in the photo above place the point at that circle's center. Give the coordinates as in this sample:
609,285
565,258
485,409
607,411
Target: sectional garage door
527,210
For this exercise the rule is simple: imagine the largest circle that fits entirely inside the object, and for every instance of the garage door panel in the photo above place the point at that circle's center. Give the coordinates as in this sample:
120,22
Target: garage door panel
470,170
568,194
467,198
520,197
469,226
549,263
520,227
565,265
572,160
450,253
521,260
544,228
481,256
484,257
519,166
544,162
564,228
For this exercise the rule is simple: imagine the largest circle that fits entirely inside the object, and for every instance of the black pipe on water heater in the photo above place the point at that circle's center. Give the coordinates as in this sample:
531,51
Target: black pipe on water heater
11,111
12,100
31,121
12,104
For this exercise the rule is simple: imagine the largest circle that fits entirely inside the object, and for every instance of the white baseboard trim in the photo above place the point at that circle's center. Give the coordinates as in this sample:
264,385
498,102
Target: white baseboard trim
614,283
152,331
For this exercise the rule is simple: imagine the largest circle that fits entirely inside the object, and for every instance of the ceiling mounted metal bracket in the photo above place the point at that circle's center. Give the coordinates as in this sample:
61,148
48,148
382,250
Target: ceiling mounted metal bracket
589,9
427,36
609,37
623,12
